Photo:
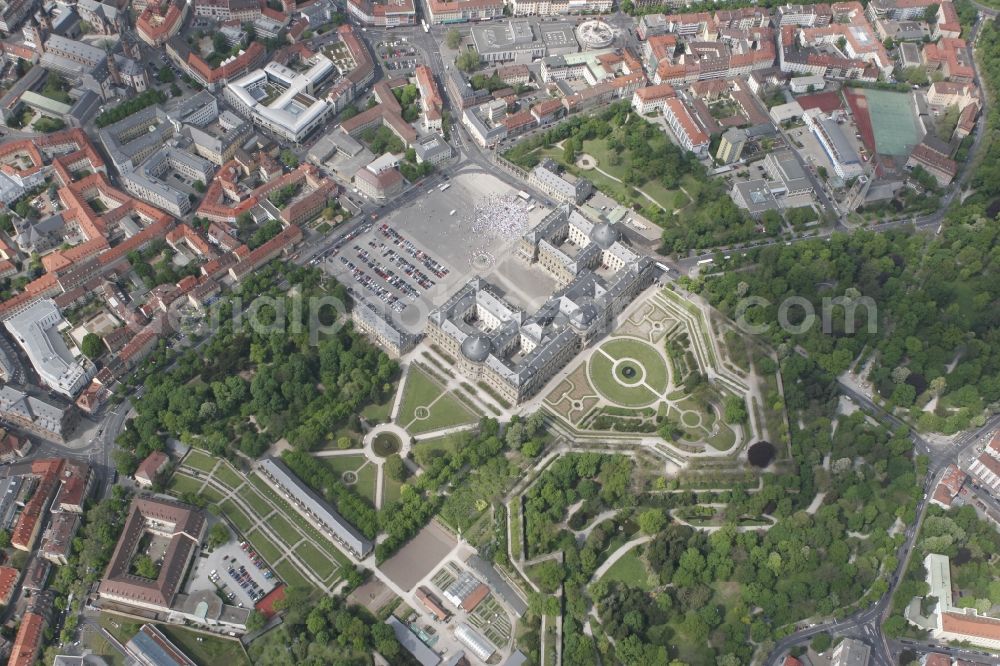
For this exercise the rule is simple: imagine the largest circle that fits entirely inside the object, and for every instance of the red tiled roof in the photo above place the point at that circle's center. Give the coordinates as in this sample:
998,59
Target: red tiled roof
188,525
990,463
28,641
971,625
661,91
694,135
158,26
475,598
546,108
26,528
74,477
8,579
153,463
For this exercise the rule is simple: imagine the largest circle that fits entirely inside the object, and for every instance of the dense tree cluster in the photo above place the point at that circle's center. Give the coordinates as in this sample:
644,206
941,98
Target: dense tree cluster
721,595
599,481
130,106
252,385
318,631
971,544
927,326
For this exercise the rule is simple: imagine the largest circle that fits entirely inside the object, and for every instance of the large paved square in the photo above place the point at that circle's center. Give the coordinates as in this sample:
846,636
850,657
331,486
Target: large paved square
412,259
419,557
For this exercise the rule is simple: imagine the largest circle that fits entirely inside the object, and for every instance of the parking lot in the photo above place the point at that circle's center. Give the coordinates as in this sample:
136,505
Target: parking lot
397,56
248,582
397,262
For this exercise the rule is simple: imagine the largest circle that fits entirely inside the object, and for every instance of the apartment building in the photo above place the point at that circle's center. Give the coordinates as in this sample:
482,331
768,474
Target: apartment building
684,127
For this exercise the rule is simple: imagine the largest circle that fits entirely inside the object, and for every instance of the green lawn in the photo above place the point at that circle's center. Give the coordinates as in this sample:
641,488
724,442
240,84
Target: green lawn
647,356
319,562
423,391
199,460
181,484
212,495
631,571
669,199
722,440
420,390
448,411
600,370
366,482
123,629
341,464
284,529
263,545
210,650
378,413
390,491
288,573
256,502
426,449
236,516
101,646
229,476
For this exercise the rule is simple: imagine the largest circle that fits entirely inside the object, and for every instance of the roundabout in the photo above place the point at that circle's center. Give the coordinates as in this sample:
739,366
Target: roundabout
384,440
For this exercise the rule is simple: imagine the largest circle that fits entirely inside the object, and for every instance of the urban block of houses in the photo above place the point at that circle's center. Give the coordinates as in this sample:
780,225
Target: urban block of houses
459,11
182,527
159,22
934,156
383,13
560,7
950,487
431,103
986,467
45,473
228,10
36,415
946,621
227,197
951,58
283,100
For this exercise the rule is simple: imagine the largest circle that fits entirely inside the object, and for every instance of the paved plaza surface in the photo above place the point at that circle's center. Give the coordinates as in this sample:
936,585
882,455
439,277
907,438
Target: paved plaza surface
446,237
419,557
